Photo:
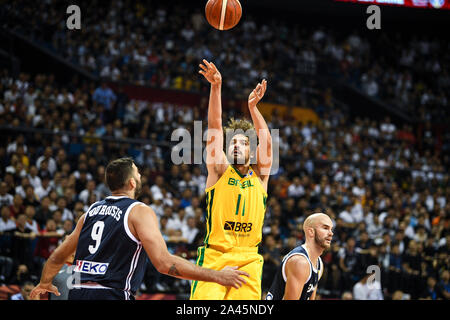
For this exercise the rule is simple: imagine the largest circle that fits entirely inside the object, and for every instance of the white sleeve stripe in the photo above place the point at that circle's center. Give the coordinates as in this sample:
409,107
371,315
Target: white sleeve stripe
125,222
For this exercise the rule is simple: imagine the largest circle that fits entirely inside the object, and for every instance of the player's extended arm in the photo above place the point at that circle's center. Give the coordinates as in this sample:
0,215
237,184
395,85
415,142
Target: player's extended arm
143,220
215,158
56,261
264,149
297,273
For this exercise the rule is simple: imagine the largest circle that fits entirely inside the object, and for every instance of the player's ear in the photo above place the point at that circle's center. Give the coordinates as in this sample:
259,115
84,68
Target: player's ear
132,183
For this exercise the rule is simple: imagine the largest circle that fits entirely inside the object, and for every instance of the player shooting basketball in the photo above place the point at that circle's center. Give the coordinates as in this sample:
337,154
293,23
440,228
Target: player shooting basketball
236,193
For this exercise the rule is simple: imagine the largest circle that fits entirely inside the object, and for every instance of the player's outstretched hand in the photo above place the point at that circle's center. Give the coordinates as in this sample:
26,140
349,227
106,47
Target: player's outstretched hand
210,72
257,94
43,288
231,277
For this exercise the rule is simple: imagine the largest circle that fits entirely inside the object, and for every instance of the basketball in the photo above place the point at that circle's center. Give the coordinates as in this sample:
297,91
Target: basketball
223,14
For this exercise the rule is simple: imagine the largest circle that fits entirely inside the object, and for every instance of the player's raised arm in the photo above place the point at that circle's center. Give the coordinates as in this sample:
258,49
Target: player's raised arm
144,224
215,158
56,261
264,149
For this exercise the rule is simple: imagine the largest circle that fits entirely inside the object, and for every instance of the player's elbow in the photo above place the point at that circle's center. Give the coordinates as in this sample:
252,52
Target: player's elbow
160,265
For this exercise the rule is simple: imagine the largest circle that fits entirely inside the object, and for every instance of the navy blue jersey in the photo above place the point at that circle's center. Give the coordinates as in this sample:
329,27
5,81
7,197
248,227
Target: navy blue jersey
107,253
276,291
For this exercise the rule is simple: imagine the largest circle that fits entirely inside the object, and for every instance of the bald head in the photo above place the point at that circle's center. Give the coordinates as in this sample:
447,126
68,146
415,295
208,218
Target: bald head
316,219
318,230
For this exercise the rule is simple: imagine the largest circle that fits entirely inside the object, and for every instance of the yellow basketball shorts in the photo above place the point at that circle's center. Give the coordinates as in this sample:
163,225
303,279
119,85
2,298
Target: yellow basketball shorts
246,259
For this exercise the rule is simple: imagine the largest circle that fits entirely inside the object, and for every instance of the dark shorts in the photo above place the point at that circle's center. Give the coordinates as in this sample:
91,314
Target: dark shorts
99,294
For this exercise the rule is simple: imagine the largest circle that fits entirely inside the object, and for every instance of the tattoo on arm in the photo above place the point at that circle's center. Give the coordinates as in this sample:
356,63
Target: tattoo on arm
173,271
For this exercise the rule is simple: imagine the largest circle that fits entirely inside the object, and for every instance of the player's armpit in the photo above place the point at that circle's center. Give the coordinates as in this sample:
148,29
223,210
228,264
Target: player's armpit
297,273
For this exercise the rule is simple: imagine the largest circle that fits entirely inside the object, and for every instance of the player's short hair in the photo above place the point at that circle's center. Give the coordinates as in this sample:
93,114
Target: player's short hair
240,126
118,172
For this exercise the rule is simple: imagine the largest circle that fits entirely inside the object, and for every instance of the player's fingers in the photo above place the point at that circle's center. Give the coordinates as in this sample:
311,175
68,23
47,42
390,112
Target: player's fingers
213,66
36,293
241,281
206,63
33,294
243,273
202,66
54,290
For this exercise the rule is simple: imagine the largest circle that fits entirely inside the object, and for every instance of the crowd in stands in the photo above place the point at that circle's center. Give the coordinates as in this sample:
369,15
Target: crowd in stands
159,44
388,199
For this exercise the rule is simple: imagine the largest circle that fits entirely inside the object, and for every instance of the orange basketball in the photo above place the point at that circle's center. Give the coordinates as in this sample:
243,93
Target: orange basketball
223,14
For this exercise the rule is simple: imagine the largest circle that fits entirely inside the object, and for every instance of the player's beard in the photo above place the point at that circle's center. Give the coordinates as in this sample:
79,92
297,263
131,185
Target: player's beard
239,159
138,190
321,242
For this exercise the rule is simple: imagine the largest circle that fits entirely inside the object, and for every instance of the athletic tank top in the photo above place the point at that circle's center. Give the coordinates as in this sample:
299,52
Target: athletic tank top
235,205
276,291
107,252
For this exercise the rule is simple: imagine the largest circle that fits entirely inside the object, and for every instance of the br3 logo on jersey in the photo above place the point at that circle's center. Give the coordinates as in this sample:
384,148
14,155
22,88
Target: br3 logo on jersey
237,226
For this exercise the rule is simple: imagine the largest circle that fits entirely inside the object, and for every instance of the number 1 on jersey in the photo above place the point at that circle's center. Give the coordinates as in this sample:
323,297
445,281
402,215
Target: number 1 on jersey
237,206
96,234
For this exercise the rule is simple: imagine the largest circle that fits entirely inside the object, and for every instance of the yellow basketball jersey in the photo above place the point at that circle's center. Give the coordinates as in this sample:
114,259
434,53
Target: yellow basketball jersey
236,206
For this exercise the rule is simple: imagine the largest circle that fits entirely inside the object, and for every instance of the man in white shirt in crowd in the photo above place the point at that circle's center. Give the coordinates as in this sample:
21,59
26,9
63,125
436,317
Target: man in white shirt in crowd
52,166
90,189
189,230
6,223
44,189
368,288
6,199
33,177
296,189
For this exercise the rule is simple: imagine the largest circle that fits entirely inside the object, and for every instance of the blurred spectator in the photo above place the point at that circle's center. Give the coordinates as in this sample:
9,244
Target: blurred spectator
399,295
347,295
365,290
104,96
272,259
22,275
6,199
31,223
190,230
432,291
444,284
6,222
24,293
348,263
22,245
